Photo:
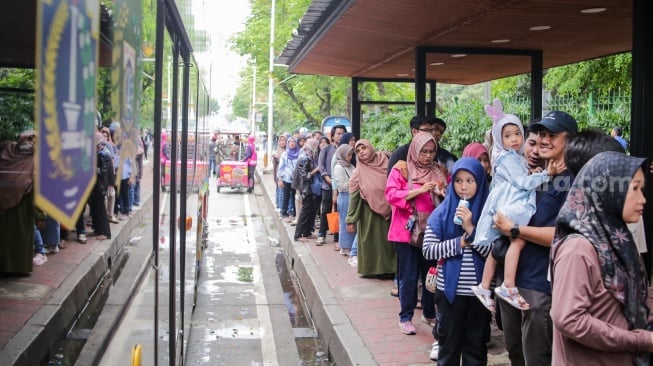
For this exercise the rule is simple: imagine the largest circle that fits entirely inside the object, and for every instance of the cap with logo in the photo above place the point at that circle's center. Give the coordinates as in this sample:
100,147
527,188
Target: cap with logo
557,121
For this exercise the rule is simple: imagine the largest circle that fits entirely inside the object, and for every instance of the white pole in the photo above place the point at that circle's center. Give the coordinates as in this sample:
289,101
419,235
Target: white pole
252,113
271,83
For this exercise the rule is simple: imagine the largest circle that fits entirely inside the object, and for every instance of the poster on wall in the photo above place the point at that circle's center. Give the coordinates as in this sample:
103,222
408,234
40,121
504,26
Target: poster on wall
126,82
65,106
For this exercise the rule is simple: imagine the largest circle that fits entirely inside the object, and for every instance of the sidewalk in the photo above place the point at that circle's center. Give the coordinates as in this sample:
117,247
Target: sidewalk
36,310
356,317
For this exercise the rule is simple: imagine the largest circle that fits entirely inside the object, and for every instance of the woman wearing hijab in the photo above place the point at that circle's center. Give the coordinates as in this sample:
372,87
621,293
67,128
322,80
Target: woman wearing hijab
276,159
250,158
286,170
413,183
304,173
342,172
463,325
479,152
600,301
369,212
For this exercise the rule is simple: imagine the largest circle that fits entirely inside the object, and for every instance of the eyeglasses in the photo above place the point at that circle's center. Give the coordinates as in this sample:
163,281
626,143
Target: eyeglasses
427,152
433,130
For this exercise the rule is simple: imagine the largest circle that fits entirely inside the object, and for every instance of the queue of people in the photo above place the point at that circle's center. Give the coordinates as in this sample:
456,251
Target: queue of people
34,234
515,230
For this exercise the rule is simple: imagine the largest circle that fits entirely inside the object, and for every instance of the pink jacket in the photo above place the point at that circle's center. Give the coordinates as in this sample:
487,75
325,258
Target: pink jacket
395,190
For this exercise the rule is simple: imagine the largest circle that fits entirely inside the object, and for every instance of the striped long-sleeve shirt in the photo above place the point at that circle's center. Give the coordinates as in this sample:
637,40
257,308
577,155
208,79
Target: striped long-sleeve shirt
435,248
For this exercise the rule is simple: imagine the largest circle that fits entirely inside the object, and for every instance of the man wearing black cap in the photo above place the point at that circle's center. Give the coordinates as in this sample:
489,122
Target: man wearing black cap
528,334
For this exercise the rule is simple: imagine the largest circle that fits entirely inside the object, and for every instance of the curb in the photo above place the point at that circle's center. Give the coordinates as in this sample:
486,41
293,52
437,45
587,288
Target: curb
345,347
49,324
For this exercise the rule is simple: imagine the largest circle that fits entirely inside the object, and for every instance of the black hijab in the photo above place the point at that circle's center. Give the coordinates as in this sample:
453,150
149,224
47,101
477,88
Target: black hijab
594,209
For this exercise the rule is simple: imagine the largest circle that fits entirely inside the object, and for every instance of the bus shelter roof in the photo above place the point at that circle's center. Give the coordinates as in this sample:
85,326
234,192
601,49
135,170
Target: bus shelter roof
467,41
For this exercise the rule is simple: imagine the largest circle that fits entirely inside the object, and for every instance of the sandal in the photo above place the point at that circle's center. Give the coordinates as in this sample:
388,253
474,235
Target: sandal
512,297
484,296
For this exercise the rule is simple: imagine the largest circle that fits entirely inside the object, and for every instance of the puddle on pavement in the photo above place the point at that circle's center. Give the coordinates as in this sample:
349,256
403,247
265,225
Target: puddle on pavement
311,350
67,350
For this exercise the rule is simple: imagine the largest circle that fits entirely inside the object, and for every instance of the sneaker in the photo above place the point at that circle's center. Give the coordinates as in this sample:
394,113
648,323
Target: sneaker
51,249
320,240
353,261
429,321
293,222
407,327
135,207
435,349
81,238
344,251
39,259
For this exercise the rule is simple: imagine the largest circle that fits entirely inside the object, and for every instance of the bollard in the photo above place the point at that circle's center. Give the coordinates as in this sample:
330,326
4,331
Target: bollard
136,355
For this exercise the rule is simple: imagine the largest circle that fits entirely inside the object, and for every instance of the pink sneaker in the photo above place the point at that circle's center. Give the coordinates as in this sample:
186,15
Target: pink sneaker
407,327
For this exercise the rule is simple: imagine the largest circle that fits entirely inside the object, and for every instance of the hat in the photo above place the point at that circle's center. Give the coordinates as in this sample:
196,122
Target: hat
557,121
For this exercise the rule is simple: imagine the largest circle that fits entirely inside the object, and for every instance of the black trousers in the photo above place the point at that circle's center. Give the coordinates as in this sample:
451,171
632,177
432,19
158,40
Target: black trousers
327,204
463,329
99,213
310,204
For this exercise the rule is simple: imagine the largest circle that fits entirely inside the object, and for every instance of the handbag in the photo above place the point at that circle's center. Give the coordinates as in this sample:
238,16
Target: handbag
500,247
316,185
333,220
416,223
431,278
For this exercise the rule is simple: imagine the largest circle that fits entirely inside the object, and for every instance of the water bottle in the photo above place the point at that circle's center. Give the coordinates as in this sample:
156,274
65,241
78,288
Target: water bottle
462,203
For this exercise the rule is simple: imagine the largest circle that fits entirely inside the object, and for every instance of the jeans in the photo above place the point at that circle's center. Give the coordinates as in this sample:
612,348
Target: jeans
288,201
354,246
136,190
279,197
346,239
212,165
38,241
411,267
51,234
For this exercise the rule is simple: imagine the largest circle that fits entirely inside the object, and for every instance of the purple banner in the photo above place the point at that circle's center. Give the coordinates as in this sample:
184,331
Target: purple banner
65,108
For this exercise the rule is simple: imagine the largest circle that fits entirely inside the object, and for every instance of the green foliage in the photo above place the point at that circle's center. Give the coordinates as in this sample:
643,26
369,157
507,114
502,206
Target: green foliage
600,76
466,123
16,102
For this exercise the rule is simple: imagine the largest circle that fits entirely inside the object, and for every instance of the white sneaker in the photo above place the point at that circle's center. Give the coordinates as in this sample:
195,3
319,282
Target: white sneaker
51,249
353,261
39,259
435,350
320,240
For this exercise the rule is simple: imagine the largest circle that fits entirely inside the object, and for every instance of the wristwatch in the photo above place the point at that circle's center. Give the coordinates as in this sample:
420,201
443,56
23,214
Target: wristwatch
514,232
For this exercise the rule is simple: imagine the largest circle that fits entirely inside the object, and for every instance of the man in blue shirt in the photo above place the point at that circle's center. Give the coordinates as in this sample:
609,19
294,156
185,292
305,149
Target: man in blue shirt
529,334
616,133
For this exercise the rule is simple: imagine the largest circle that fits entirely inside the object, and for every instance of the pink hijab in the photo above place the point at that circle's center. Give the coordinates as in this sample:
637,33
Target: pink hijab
475,150
420,173
370,177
